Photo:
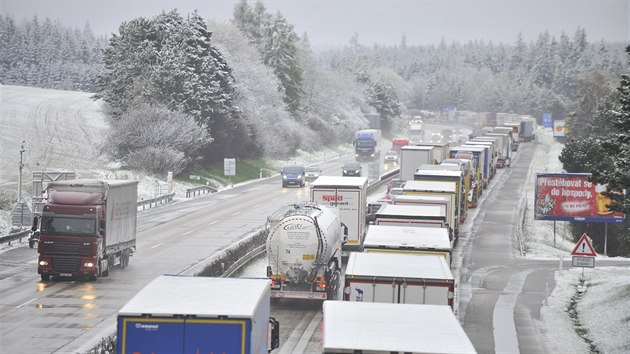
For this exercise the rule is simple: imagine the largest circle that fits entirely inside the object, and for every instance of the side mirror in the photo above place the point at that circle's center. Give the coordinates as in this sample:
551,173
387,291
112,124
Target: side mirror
269,273
35,222
274,334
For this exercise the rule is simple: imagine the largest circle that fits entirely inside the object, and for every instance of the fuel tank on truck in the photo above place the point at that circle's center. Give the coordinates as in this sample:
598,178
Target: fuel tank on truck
302,238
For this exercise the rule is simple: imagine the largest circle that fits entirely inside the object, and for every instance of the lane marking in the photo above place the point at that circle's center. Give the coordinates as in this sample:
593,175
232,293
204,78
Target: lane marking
504,328
26,303
289,344
306,336
158,245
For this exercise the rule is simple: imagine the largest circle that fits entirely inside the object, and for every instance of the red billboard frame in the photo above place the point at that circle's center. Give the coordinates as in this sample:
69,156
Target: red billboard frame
572,197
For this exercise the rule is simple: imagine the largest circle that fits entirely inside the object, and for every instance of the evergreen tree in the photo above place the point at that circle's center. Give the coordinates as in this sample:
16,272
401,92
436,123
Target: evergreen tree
616,175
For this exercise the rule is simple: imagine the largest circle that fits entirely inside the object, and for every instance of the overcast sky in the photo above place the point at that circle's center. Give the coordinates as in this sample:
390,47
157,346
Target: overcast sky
333,22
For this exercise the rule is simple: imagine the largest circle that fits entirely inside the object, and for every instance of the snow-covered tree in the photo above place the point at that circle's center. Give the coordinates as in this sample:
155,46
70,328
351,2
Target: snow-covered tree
617,174
172,61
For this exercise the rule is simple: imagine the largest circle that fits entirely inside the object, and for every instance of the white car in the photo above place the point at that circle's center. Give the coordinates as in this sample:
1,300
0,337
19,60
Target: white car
311,173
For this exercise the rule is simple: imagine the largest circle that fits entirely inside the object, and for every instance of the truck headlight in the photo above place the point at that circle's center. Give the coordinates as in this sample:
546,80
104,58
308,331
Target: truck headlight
88,265
43,263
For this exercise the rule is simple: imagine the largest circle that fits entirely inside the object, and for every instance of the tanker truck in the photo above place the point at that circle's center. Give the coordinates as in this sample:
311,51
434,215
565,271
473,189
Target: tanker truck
87,227
304,251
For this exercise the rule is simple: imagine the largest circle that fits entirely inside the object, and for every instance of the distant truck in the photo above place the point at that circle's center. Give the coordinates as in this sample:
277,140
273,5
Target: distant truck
416,131
397,143
379,328
349,196
527,129
399,278
304,251
411,157
367,145
87,226
180,314
414,215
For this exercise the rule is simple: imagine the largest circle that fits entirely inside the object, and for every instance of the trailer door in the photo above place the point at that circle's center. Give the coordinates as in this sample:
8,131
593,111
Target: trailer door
373,292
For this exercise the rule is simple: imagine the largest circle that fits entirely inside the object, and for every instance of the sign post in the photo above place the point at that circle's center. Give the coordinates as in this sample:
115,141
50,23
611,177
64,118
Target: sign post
583,254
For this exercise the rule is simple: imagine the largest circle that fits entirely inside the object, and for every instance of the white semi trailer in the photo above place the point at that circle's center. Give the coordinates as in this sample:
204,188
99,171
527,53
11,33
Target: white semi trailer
304,251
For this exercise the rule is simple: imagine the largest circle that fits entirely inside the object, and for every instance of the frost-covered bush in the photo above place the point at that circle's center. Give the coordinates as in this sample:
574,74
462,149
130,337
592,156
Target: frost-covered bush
157,161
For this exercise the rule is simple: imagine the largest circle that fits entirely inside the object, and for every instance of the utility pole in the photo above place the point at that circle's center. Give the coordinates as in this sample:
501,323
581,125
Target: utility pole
20,166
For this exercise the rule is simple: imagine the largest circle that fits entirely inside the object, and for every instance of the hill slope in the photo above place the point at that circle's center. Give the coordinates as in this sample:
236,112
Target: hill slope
62,130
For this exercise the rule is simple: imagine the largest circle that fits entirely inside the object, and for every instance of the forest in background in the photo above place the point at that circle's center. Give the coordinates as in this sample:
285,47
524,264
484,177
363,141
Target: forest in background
181,91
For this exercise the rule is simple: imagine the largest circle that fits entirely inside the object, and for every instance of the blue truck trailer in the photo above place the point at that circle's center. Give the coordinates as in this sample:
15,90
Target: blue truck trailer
180,314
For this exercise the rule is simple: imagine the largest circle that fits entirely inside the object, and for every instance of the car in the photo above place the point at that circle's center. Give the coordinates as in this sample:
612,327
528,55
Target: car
293,175
391,156
395,183
351,169
311,173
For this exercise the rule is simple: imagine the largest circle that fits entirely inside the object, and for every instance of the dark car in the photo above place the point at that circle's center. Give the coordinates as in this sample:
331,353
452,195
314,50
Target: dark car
351,169
293,176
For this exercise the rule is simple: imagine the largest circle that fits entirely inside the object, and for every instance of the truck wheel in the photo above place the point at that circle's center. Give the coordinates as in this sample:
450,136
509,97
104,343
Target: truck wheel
45,277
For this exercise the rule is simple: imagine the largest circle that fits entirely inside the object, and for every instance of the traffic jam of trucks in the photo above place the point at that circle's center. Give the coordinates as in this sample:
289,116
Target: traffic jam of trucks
329,248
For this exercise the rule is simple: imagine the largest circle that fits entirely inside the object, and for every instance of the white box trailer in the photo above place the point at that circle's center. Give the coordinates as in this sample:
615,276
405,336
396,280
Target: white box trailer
377,328
439,188
399,278
412,240
349,196
440,151
412,215
411,157
427,199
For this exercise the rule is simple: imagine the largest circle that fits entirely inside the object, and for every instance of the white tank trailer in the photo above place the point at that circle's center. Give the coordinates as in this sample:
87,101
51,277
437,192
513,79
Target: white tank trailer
304,251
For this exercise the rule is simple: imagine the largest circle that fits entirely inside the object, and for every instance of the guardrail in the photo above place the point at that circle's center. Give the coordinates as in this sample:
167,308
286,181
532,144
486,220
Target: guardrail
199,190
15,236
163,199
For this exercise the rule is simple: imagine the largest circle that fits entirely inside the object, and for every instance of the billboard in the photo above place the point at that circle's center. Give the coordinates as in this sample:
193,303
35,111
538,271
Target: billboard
571,197
559,129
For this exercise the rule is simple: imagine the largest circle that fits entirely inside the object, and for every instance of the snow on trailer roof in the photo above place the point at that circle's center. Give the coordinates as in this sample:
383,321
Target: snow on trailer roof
389,236
384,327
430,186
398,265
90,183
200,296
339,181
418,147
438,172
412,210
420,198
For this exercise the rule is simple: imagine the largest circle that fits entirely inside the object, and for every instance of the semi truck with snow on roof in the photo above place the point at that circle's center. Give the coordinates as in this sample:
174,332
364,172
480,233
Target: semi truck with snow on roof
87,227
304,251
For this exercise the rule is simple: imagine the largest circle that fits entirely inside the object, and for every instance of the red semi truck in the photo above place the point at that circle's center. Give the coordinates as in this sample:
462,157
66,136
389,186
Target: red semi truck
87,226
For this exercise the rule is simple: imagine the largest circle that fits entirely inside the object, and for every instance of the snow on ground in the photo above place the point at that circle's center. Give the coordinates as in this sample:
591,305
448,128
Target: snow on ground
603,310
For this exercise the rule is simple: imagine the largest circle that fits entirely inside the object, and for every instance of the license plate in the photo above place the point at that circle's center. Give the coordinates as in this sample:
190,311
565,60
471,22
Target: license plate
65,274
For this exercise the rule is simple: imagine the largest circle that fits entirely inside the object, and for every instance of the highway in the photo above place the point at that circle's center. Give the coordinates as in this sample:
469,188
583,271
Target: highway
499,296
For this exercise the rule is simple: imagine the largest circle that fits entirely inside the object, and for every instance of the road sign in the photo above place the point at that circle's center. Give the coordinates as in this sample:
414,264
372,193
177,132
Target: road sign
547,120
584,247
229,167
584,262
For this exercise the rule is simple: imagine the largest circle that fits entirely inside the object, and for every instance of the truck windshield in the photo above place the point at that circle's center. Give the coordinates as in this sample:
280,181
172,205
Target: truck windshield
366,143
68,226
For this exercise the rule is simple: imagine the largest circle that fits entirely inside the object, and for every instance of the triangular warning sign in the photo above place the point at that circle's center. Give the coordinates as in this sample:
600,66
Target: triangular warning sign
584,247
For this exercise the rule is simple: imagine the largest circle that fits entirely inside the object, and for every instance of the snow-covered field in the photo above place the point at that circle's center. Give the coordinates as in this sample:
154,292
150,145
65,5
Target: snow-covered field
63,128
